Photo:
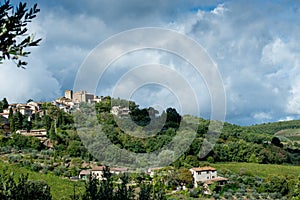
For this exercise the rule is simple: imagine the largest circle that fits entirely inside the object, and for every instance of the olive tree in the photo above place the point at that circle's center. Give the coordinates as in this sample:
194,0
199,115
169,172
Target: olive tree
14,39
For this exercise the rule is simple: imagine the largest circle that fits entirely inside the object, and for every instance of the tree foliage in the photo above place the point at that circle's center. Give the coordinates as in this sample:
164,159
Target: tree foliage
22,189
103,189
14,39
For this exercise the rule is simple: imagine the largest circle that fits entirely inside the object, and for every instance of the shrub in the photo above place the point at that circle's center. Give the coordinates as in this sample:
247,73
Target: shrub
14,159
227,195
216,196
11,159
264,195
210,159
238,195
33,155
275,195
67,174
26,163
36,167
58,171
242,191
45,170
255,195
194,193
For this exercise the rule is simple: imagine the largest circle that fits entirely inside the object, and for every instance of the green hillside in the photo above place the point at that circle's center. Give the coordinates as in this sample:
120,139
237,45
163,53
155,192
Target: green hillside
272,128
61,189
289,134
260,170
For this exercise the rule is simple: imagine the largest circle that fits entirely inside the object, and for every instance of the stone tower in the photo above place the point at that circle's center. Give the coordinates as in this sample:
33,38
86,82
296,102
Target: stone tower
69,94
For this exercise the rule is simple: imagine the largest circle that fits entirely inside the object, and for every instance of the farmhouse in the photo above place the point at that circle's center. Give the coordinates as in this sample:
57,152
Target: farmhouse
84,174
38,133
120,111
97,172
206,175
118,170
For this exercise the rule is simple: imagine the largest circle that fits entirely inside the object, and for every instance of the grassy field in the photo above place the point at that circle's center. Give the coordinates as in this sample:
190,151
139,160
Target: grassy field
290,134
61,189
261,170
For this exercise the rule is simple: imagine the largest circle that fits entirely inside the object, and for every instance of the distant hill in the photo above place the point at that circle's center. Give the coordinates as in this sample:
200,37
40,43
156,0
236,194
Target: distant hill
272,128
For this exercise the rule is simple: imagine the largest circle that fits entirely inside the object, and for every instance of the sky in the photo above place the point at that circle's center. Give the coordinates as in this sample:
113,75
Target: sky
254,44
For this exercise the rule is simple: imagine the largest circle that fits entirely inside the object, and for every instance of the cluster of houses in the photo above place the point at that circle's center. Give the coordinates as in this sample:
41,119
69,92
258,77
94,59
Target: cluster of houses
120,111
97,172
71,100
28,109
67,103
204,176
41,134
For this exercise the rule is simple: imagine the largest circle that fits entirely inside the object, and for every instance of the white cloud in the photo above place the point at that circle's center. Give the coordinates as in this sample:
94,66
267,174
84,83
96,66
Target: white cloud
36,82
219,10
262,116
287,118
254,44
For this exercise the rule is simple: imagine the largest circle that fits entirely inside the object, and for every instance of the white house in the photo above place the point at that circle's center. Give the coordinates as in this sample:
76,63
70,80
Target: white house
98,172
207,175
120,111
153,171
41,134
118,170
84,174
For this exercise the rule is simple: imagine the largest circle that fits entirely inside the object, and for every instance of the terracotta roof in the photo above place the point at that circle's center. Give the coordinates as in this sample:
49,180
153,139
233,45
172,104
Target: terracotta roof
84,172
119,169
199,169
218,179
98,168
155,168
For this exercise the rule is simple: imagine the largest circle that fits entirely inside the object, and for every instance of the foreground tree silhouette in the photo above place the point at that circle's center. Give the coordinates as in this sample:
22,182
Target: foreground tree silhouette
23,189
14,38
97,190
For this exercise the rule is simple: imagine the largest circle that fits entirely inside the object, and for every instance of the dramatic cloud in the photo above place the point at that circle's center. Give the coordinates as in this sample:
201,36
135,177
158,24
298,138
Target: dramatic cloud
254,44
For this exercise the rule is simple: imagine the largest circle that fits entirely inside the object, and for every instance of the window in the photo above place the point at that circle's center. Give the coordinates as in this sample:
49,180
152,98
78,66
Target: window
207,172
213,177
207,177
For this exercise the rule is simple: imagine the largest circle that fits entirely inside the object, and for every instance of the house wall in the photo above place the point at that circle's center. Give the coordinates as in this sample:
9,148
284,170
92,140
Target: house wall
97,174
203,176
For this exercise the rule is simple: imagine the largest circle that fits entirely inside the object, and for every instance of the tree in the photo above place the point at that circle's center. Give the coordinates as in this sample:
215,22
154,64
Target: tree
76,149
123,192
11,120
5,103
94,189
184,176
145,192
14,38
296,190
276,141
23,188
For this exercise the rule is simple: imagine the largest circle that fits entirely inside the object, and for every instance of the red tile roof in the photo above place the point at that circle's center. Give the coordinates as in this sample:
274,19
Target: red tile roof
119,169
200,169
98,168
84,172
218,179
